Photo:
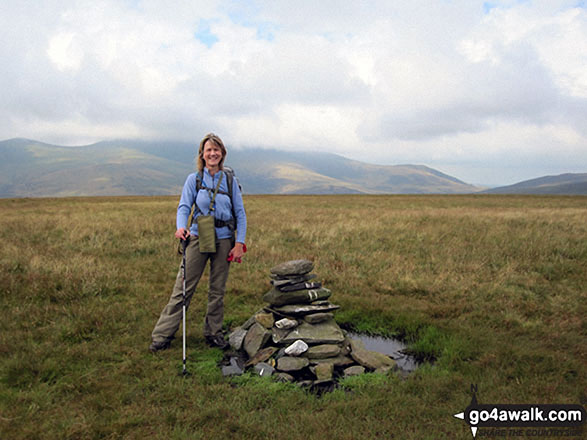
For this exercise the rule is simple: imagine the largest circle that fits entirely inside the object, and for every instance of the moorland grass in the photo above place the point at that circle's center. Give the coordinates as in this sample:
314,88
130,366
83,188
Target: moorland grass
491,290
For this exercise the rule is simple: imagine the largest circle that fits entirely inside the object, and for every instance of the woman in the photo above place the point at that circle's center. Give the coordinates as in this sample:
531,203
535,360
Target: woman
211,157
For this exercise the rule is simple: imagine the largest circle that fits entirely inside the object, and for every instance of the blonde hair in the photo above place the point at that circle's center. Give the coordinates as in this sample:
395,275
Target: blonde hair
201,163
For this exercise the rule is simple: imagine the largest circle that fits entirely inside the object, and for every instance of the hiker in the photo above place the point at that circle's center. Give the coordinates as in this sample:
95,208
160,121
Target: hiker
207,189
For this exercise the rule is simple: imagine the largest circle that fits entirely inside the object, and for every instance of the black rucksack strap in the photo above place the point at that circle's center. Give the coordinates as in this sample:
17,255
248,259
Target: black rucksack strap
212,206
229,182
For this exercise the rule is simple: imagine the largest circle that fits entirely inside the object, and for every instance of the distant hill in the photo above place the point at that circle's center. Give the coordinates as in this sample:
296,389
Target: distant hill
563,184
34,169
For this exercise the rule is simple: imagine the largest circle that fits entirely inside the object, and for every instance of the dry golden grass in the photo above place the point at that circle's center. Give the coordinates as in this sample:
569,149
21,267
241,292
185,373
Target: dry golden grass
493,288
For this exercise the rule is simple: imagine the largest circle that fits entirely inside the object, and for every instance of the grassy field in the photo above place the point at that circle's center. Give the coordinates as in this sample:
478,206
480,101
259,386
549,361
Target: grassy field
492,289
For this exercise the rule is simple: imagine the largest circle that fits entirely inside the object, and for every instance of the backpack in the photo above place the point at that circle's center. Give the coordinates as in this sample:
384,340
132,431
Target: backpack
230,177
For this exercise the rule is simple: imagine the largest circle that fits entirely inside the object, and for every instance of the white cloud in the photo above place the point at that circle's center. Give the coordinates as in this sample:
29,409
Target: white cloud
65,52
440,83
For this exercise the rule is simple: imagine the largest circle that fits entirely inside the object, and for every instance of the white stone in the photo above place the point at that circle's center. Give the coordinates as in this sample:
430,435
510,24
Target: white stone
286,324
296,348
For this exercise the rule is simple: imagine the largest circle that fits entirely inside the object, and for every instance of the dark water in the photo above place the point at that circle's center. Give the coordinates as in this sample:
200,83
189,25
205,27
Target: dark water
389,346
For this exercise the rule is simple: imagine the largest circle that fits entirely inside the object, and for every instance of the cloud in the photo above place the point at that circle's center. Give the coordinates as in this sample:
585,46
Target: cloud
439,83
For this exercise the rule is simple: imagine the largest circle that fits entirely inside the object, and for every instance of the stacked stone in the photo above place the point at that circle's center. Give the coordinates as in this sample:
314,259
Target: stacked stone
295,337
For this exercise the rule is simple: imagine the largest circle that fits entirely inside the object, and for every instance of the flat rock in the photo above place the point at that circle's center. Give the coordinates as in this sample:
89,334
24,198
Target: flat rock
294,279
305,309
261,356
276,297
249,322
265,319
316,318
234,369
369,359
237,337
290,363
296,348
386,369
293,267
263,369
322,351
278,335
325,384
324,371
286,324
299,286
284,377
256,338
338,361
355,370
327,332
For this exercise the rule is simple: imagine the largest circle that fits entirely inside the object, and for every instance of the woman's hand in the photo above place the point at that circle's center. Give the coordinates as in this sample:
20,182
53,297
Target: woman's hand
237,252
182,233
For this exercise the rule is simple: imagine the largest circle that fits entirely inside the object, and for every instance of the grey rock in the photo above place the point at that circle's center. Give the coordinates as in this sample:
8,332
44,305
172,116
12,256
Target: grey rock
277,335
369,359
321,303
286,324
280,353
324,371
322,351
327,332
234,369
338,361
261,356
294,279
275,297
256,338
297,348
346,347
293,267
294,310
289,363
299,286
249,322
284,377
323,383
386,369
355,370
236,338
263,369
316,318
265,319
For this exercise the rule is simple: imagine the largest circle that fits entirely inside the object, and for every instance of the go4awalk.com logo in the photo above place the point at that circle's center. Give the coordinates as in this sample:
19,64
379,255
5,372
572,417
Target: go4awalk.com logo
523,420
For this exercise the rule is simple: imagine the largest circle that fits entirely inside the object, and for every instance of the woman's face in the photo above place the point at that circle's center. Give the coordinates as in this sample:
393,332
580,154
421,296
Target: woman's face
212,154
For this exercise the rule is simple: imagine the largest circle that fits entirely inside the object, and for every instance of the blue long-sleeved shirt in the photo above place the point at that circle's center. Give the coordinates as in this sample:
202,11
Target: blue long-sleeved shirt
222,207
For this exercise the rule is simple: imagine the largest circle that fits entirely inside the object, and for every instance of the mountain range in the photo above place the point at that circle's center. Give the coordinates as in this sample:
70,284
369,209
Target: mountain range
569,184
30,168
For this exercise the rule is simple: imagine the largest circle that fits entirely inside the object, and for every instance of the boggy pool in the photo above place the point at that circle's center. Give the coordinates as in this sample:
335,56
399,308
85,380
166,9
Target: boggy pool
393,348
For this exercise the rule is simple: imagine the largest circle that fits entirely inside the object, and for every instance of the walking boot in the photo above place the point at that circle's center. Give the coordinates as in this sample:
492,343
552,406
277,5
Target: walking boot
217,341
158,346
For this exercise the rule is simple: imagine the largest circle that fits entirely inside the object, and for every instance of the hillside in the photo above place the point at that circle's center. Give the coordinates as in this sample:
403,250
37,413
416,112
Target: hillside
35,169
563,184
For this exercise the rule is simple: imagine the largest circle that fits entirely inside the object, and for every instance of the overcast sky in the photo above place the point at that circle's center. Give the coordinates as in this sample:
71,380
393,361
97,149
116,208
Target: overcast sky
490,92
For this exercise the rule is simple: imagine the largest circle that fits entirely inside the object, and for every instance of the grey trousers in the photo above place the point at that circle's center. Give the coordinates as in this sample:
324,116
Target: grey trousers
171,315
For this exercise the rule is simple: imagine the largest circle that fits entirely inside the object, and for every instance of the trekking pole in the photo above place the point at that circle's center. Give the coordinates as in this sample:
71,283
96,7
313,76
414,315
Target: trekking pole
183,269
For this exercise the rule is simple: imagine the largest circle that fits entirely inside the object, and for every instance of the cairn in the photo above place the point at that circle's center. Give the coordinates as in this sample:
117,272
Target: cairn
295,338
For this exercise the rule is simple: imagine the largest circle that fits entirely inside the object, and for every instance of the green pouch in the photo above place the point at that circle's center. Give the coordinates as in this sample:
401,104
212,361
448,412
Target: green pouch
206,233
206,226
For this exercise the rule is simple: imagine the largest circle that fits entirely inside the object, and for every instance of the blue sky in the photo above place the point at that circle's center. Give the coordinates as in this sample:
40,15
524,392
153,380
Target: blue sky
491,92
